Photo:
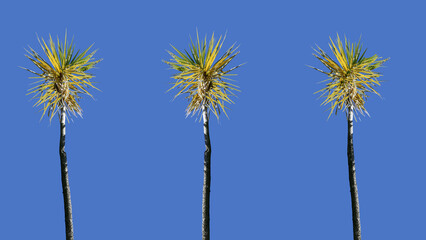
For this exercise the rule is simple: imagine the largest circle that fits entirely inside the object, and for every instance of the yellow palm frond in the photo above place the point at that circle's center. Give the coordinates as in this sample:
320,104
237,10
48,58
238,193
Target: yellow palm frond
62,77
351,76
202,75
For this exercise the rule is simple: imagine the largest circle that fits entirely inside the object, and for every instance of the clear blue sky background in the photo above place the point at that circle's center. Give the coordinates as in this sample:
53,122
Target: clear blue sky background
279,168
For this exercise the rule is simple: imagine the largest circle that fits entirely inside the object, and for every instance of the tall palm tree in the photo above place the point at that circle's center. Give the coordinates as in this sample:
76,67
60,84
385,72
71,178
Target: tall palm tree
351,79
62,81
203,79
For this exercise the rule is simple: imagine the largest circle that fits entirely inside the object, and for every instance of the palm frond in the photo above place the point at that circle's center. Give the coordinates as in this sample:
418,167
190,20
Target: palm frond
202,75
351,76
63,77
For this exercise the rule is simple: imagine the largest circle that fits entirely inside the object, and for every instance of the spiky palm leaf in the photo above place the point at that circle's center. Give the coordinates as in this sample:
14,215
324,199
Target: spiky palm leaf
203,77
351,77
63,76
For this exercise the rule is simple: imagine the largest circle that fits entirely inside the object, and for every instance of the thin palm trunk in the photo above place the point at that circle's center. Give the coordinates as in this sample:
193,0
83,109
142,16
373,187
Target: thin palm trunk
65,182
356,220
207,178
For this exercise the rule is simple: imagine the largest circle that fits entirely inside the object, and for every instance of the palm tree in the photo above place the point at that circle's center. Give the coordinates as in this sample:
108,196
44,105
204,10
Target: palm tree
203,79
350,81
62,81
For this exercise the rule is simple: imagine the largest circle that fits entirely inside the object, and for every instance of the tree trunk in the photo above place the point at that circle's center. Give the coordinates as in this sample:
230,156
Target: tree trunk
65,182
356,220
207,177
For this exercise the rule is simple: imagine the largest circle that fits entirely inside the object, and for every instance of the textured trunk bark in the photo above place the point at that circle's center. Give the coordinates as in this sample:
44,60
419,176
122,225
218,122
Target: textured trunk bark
65,182
356,219
207,177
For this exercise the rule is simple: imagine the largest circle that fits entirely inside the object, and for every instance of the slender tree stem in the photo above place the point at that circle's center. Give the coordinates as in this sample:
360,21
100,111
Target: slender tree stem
65,181
356,219
207,178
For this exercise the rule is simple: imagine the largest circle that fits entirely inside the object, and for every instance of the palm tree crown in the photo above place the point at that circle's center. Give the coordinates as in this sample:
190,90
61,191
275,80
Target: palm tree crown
63,77
203,78
351,77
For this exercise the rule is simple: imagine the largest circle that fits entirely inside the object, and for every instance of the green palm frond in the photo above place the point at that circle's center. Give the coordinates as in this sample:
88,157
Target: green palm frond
351,76
202,75
63,78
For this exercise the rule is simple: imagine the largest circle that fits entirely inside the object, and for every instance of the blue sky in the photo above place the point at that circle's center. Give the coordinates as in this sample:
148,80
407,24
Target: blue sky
279,167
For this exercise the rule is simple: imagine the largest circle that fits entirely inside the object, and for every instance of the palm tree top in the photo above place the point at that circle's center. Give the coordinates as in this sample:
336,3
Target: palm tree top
351,77
203,77
63,78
